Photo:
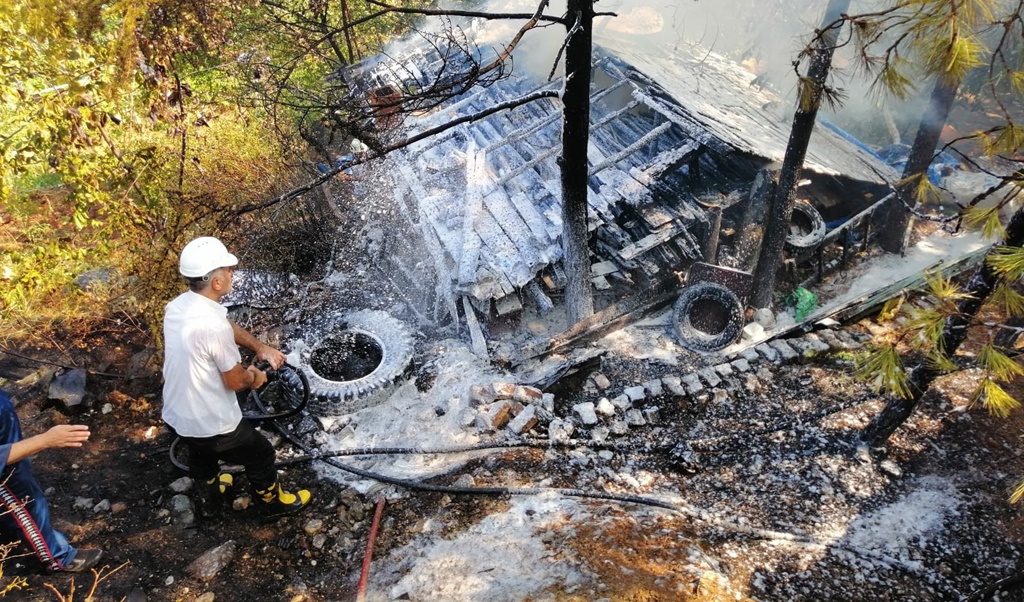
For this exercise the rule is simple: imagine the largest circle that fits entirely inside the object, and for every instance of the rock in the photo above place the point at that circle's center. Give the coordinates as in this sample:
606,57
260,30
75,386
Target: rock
604,407
465,481
741,365
481,395
182,485
103,506
750,354
496,415
183,513
890,468
693,384
548,402
634,394
709,376
212,561
752,332
721,397
602,382
635,418
503,390
83,503
313,526
768,352
319,540
764,317
674,385
652,414
653,387
599,434
207,597
68,387
526,395
586,413
622,403
107,408
560,431
524,421
724,370
786,351
619,427
118,507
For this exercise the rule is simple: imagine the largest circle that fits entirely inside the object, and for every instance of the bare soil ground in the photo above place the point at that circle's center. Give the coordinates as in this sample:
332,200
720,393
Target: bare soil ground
775,488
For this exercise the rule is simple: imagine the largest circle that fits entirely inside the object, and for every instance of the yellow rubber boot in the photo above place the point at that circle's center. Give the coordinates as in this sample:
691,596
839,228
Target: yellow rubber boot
217,492
276,502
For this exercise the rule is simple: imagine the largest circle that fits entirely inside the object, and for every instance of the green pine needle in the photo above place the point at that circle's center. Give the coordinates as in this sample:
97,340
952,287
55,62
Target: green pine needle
1018,492
998,402
883,368
1010,300
998,364
1008,262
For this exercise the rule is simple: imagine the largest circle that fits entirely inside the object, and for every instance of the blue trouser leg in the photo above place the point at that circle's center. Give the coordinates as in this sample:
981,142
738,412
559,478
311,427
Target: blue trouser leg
29,516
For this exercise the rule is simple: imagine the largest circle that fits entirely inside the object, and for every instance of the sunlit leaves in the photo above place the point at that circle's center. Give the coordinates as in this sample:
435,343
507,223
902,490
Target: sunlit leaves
1006,138
1018,492
883,368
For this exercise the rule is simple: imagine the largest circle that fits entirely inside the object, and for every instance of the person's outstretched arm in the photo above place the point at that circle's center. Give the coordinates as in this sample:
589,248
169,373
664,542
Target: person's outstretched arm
62,435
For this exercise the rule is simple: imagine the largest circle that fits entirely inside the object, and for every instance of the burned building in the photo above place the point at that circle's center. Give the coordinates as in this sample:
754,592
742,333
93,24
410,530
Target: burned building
674,135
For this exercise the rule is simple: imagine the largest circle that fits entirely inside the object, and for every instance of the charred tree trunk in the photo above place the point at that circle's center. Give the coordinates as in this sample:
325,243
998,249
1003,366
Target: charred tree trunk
895,230
579,300
811,88
982,282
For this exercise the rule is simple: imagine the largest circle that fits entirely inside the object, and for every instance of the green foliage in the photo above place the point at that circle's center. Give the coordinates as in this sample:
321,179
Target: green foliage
996,400
985,219
883,367
1011,302
1008,262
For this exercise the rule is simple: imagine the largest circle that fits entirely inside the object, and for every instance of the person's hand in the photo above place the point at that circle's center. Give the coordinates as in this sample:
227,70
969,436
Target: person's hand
259,377
272,356
67,435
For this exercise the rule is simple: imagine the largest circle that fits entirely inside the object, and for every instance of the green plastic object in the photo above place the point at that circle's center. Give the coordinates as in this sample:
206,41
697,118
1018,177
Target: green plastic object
804,302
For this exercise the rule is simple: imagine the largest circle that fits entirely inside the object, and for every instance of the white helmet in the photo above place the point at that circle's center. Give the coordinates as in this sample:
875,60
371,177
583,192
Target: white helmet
204,255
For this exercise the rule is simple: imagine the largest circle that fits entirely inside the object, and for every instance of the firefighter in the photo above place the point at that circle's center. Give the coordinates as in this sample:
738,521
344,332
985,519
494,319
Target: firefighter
202,371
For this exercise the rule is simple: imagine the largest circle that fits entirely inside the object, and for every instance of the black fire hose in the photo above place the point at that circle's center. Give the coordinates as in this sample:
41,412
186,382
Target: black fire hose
284,395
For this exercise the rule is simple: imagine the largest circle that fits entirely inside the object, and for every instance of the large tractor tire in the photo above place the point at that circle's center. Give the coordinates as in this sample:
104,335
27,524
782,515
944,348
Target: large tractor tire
353,360
806,228
707,317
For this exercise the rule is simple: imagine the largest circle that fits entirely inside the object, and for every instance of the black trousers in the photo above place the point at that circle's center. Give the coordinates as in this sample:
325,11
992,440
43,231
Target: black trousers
244,445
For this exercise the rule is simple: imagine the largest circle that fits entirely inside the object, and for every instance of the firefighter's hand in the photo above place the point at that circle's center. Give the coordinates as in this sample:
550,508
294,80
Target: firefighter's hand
66,435
259,377
272,356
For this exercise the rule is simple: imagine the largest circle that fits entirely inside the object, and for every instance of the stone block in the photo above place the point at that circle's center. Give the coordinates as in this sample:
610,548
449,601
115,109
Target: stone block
653,387
526,420
503,390
634,394
481,395
585,412
674,385
604,407
709,376
524,394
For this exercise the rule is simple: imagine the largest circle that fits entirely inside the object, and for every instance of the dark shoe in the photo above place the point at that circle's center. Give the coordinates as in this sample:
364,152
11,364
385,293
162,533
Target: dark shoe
275,502
85,559
215,494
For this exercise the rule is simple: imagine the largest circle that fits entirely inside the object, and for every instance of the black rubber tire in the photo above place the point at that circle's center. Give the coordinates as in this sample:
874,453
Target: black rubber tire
337,397
695,339
811,228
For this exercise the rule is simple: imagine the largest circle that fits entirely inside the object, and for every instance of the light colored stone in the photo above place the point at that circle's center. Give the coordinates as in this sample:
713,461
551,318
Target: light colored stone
585,412
524,394
752,332
765,317
548,402
622,403
524,421
313,526
181,485
604,407
674,385
709,376
768,352
602,382
635,417
212,561
741,365
653,387
786,351
693,384
652,415
724,369
634,394
503,390
481,395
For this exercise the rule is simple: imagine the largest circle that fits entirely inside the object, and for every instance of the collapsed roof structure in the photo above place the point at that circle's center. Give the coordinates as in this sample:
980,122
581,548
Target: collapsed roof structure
672,133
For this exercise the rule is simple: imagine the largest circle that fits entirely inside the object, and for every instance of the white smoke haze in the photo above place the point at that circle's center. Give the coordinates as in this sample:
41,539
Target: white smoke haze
765,36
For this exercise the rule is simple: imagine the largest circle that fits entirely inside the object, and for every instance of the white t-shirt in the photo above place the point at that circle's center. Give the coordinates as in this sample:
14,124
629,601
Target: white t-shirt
199,345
